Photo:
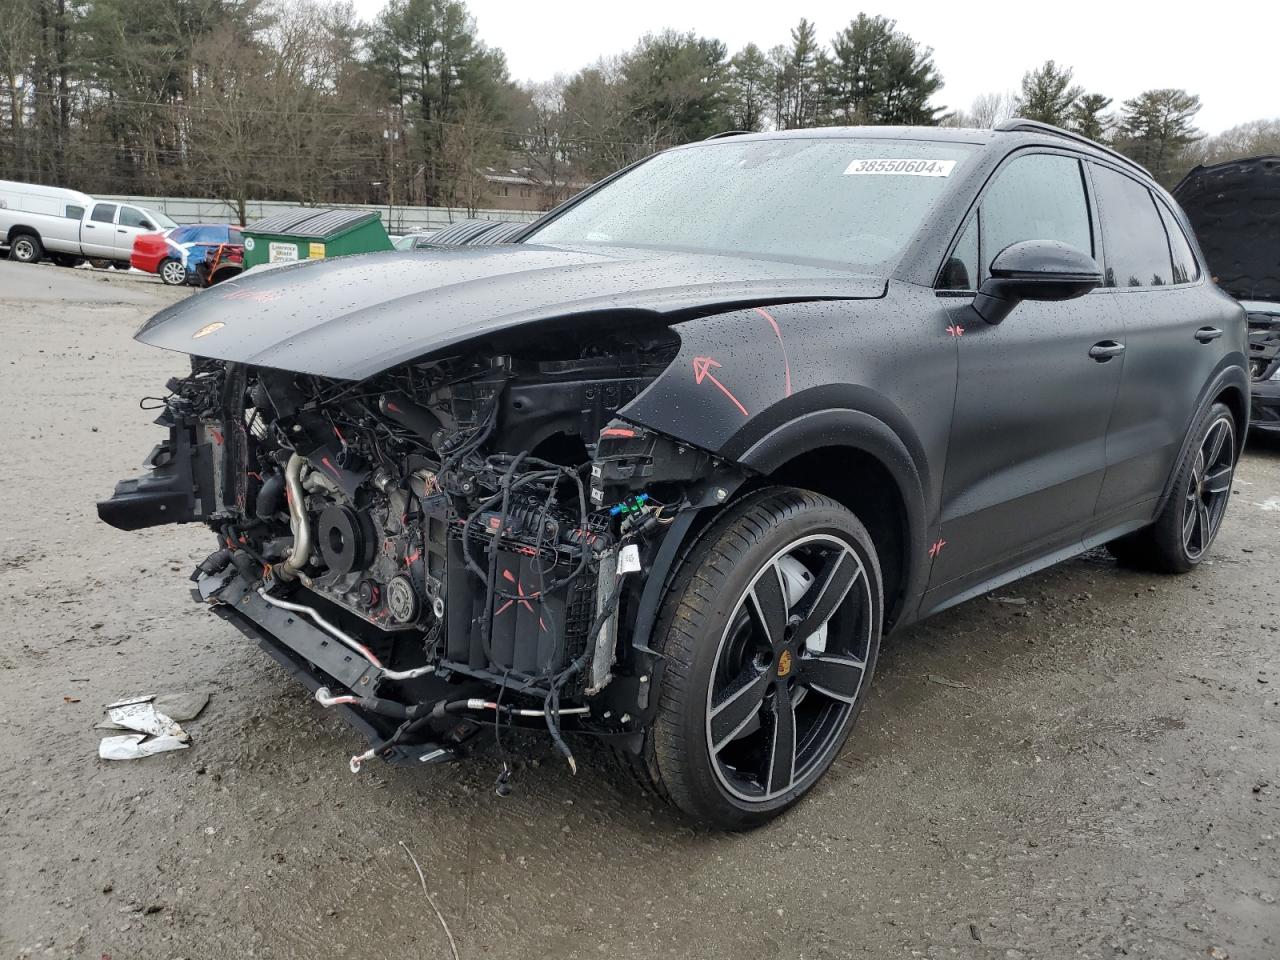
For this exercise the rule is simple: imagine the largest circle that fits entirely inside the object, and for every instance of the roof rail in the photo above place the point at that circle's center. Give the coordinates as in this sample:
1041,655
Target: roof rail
726,133
1019,125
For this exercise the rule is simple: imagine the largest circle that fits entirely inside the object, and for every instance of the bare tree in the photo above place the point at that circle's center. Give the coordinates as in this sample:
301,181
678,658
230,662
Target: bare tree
1252,139
17,52
987,111
545,147
467,148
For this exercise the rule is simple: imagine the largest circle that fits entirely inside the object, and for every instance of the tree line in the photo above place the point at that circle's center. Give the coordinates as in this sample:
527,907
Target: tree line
300,100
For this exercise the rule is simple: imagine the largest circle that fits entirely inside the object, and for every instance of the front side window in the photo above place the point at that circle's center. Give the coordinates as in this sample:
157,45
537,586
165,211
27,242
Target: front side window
104,213
132,217
852,203
1035,197
159,219
1136,243
1185,268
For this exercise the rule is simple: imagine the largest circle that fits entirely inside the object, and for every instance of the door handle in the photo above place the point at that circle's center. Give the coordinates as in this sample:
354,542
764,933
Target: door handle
1104,350
122,231
1208,334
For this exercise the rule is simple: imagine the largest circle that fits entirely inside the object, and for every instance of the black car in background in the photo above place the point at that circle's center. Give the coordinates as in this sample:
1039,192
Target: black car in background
1234,208
666,469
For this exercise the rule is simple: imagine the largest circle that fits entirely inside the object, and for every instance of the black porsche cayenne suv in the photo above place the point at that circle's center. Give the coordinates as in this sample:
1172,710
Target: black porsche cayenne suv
667,469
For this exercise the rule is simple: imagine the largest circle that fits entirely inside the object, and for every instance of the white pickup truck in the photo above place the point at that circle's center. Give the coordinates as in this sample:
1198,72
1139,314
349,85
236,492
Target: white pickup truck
38,222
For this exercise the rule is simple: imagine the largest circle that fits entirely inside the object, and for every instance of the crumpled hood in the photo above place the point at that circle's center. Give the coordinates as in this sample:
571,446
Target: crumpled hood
354,316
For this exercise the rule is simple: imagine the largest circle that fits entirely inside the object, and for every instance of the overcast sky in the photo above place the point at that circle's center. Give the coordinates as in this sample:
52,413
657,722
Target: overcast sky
1117,47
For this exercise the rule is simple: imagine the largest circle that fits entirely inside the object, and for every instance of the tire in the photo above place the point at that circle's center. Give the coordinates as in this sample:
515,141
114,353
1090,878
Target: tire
737,681
25,248
1188,522
172,272
98,263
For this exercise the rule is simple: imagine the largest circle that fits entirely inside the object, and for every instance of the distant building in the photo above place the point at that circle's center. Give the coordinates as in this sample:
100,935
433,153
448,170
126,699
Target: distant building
518,189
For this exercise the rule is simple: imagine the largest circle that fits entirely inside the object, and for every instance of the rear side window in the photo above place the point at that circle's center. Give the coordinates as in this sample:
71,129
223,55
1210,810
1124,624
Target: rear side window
104,213
1035,197
75,212
1137,247
234,236
1185,268
181,235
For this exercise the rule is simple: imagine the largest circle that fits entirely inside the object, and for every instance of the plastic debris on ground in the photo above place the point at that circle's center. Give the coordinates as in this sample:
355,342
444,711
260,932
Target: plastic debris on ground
157,730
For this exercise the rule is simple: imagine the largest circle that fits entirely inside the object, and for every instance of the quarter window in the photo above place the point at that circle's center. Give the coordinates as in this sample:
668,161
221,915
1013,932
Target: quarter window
1137,247
1185,268
104,213
1035,197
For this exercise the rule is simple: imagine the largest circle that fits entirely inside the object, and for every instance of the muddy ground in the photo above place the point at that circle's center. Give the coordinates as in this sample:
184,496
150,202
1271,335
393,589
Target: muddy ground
1093,772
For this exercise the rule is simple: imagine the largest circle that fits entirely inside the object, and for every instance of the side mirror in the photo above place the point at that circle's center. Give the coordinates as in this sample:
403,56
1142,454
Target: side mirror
148,225
1035,270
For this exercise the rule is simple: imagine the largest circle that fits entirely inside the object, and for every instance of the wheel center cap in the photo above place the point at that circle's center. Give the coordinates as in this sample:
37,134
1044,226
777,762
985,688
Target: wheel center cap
784,663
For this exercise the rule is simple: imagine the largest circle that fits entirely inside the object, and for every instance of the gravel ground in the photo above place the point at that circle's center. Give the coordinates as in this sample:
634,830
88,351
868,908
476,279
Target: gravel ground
1085,766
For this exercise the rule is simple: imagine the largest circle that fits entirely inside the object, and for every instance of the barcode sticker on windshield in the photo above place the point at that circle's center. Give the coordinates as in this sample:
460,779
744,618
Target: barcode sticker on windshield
902,168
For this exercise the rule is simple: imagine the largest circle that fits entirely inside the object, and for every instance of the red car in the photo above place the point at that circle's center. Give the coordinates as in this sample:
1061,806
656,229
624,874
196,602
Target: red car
200,253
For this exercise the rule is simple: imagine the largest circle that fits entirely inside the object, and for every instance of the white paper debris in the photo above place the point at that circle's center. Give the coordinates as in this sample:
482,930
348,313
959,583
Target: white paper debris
132,746
145,718
157,731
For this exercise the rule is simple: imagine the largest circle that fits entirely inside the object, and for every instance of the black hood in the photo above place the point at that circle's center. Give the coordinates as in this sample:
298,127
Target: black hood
352,317
1235,211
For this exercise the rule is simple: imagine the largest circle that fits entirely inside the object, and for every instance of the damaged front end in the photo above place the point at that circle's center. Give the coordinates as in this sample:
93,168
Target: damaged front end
443,546
1264,365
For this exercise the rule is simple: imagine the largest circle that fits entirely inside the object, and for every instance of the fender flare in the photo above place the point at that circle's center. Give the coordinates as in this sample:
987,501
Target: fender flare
1230,373
858,430
20,228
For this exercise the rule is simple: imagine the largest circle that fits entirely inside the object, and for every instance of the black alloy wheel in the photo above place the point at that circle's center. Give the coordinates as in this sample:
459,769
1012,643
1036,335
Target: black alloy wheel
1208,487
769,634
1182,532
789,668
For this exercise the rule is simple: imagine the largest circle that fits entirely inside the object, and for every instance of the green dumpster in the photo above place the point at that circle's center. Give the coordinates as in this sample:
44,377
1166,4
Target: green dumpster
313,235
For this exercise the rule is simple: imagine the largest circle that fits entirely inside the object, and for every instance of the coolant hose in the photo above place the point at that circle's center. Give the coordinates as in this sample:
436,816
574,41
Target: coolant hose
268,503
411,415
301,551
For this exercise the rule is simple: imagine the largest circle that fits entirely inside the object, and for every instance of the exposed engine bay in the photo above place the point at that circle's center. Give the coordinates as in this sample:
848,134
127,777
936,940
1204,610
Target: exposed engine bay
438,549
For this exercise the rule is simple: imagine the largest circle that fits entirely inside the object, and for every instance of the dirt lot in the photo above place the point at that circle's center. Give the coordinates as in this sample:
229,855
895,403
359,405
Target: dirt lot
1088,766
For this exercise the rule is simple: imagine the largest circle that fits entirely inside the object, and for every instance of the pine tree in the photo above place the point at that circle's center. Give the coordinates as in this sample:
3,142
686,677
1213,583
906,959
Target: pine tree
1157,128
1088,116
877,74
1048,94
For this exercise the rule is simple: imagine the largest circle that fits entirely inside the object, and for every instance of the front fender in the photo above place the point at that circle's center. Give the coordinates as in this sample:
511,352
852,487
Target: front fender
760,387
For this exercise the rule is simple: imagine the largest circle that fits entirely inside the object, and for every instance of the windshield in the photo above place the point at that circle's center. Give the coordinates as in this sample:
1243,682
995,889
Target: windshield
853,202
